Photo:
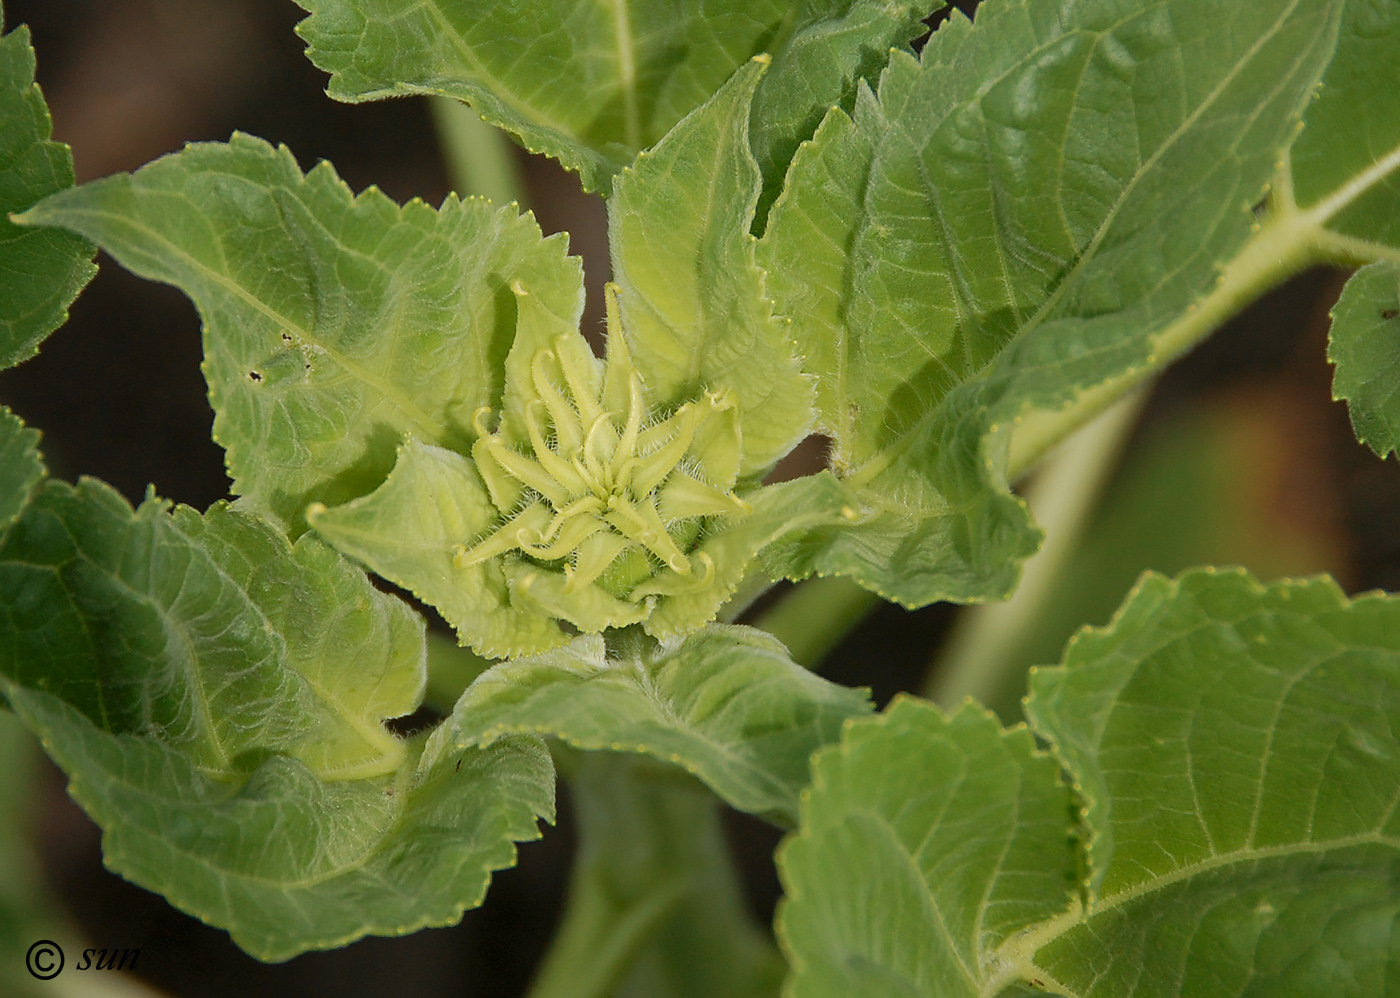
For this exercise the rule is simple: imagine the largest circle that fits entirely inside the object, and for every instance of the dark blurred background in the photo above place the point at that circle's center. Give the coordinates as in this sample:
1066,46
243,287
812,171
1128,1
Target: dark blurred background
1239,457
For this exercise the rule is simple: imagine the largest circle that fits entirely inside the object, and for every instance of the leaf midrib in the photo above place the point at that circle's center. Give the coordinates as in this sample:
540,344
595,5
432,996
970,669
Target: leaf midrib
1019,951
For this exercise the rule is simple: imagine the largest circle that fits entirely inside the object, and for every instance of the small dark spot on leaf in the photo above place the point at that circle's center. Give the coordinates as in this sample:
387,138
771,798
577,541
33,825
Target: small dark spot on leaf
1263,206
1390,313
286,337
458,767
254,376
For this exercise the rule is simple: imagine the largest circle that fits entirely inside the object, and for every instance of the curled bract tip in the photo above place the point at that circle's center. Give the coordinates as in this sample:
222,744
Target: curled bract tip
602,497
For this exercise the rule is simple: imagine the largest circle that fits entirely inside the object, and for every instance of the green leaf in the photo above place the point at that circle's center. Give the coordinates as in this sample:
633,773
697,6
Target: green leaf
1365,346
836,45
281,648
655,907
44,270
333,324
1347,161
592,84
1236,754
726,703
1235,767
691,295
215,696
21,467
1030,219
926,843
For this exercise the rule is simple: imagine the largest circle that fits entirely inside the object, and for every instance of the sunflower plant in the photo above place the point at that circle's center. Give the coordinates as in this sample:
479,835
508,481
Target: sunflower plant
941,252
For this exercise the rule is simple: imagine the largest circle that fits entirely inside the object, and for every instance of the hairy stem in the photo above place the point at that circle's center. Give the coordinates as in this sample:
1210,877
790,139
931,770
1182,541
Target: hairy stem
654,900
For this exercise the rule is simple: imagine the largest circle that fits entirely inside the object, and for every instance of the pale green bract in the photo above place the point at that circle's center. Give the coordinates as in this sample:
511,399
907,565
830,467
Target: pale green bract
1232,764
619,493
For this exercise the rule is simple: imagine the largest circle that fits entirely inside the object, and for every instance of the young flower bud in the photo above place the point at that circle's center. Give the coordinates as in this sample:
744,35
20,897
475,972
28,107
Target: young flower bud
602,493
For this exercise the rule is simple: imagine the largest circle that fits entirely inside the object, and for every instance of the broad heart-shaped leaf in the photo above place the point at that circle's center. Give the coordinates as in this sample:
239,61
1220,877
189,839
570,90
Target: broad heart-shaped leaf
926,842
655,906
594,84
1236,766
1365,346
1045,208
215,696
333,324
21,467
1236,750
691,295
43,270
726,703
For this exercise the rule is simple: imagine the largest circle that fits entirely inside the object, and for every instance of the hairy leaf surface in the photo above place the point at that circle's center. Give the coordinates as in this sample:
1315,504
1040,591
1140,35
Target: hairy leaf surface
1041,210
727,703
1235,767
835,46
215,696
926,842
333,323
45,269
594,84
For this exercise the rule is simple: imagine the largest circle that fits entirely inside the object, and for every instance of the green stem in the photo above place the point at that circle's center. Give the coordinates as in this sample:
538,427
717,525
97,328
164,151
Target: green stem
979,659
813,617
654,901
480,158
